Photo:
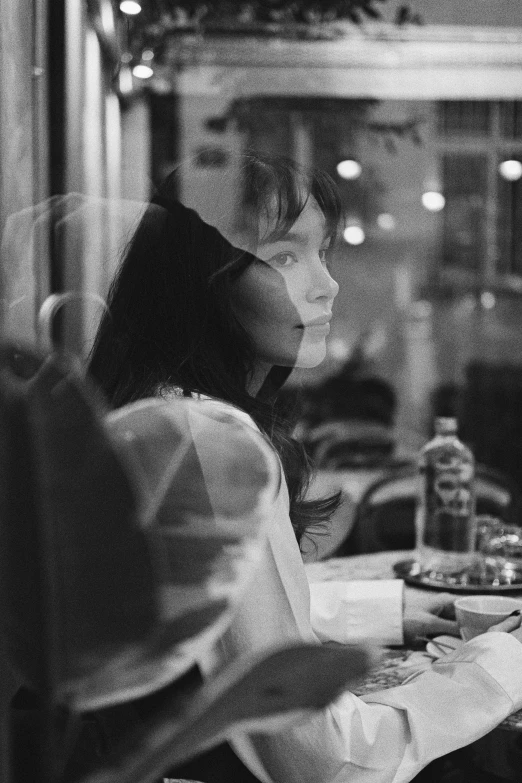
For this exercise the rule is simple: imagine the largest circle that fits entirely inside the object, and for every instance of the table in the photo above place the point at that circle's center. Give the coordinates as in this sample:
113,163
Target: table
499,752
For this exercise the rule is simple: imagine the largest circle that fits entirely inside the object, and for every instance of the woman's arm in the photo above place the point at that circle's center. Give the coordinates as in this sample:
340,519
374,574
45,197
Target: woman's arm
356,610
382,611
387,736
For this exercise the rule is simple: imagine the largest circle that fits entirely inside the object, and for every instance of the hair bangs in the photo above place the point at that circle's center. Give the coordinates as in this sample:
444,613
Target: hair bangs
326,193
276,191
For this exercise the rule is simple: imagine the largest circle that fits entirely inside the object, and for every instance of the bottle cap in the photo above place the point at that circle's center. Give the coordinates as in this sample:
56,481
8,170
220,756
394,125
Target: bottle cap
445,425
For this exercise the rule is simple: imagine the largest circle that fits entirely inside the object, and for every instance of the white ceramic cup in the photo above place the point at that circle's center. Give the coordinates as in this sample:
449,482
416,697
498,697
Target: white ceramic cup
476,613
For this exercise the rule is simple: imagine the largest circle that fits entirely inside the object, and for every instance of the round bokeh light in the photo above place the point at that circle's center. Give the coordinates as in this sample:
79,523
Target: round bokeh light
142,71
433,201
511,170
349,169
487,300
130,7
386,221
354,235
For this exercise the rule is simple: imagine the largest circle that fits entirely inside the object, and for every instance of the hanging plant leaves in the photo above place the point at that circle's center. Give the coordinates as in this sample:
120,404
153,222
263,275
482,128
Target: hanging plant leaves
301,19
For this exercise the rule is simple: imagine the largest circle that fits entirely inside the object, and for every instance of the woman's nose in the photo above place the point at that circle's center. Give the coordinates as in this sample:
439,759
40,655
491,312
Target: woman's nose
323,285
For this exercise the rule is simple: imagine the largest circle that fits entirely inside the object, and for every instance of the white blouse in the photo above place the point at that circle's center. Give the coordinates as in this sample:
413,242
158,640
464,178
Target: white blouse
387,736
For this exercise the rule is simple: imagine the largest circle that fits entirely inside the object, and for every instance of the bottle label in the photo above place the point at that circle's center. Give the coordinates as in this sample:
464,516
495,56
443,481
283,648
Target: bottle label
449,506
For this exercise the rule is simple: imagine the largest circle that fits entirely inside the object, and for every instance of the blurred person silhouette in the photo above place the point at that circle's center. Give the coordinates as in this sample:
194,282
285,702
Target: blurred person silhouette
224,321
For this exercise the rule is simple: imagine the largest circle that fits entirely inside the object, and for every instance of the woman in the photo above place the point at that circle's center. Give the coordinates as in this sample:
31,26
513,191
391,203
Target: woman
192,314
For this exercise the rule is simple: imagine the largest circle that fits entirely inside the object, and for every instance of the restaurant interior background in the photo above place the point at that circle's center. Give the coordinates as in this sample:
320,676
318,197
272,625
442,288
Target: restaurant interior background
426,102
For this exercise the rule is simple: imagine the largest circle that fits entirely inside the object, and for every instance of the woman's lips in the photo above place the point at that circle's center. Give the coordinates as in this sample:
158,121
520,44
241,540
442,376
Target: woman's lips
322,320
315,328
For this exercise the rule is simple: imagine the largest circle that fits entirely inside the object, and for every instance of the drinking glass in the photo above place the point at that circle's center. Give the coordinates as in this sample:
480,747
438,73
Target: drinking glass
499,546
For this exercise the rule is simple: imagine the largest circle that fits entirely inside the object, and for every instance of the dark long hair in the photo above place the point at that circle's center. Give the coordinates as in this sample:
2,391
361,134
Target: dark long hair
170,321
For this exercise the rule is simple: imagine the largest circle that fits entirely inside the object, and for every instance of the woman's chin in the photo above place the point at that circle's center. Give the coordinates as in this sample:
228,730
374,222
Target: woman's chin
311,358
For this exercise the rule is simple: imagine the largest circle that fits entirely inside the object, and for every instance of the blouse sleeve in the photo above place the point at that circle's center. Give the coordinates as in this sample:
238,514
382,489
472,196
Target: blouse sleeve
385,737
358,611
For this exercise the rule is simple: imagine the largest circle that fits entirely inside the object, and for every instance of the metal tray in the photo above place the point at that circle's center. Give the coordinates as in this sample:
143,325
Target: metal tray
409,570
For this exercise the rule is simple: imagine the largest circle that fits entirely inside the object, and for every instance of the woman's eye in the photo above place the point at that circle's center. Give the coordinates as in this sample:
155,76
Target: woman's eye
283,259
324,256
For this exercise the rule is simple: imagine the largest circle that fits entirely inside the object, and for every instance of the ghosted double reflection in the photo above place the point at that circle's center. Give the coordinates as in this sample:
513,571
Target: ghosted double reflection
429,255
263,265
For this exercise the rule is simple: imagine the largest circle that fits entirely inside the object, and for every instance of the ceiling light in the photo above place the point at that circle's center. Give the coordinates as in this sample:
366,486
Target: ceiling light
354,235
142,71
433,201
511,170
130,7
349,169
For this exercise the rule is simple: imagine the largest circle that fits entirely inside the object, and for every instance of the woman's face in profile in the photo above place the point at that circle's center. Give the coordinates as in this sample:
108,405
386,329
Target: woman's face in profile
284,300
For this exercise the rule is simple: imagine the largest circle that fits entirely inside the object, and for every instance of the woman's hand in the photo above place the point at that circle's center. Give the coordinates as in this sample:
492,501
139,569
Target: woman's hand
427,614
510,625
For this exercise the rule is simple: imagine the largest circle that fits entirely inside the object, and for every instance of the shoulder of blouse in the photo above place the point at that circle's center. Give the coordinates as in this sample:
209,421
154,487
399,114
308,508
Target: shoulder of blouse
176,393
231,410
228,409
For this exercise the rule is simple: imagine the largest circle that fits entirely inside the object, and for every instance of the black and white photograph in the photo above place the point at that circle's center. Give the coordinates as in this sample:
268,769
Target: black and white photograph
260,391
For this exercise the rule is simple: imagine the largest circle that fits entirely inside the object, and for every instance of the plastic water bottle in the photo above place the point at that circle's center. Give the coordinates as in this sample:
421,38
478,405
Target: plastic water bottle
446,535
